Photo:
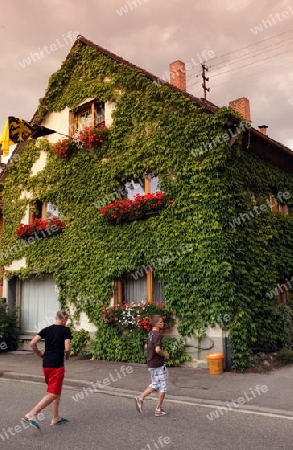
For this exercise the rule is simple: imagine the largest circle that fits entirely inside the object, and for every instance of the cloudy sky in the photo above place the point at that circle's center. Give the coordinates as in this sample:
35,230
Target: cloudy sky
247,46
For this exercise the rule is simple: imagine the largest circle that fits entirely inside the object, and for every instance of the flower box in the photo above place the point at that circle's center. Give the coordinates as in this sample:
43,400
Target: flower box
145,216
64,148
89,138
137,316
142,207
39,229
93,137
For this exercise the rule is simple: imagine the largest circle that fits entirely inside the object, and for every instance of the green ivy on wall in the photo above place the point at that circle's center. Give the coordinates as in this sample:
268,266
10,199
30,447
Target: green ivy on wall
227,270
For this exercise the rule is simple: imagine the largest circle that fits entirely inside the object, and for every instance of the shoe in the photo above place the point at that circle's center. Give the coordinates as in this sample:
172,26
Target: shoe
138,404
160,412
59,422
32,423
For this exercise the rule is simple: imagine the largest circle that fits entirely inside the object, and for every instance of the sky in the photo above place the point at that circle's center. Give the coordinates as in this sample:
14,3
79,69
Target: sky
246,45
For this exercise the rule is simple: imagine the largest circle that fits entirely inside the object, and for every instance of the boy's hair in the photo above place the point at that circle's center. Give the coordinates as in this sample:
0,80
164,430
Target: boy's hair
155,319
60,315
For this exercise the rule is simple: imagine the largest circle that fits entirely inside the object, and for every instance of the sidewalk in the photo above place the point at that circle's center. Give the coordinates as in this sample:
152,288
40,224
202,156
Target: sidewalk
193,385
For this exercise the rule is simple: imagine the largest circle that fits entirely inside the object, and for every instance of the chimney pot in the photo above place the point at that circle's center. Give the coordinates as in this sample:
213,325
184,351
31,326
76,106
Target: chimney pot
242,106
263,129
178,75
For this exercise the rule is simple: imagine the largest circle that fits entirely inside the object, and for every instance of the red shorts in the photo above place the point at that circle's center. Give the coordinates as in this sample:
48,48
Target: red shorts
54,378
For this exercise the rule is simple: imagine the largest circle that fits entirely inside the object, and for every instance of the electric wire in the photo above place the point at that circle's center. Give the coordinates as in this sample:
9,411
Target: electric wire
270,48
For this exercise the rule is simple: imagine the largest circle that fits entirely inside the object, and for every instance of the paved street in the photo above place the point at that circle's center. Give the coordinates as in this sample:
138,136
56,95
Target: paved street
109,421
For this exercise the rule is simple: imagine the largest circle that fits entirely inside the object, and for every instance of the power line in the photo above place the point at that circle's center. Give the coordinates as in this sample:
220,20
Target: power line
252,45
250,64
240,57
251,74
255,53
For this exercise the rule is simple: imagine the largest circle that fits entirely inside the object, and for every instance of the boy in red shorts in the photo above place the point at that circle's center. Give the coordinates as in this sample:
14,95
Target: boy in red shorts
57,341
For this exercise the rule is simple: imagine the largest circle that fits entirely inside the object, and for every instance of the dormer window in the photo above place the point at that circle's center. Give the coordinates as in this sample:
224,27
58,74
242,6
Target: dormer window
89,114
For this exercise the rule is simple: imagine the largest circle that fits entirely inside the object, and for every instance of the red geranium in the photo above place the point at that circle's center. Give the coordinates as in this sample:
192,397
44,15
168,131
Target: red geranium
91,137
120,210
65,147
53,225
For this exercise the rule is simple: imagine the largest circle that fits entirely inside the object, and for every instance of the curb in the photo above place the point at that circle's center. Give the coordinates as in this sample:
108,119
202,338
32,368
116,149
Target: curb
123,392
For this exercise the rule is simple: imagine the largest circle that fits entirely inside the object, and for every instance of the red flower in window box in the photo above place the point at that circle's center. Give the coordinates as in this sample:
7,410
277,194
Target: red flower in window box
64,148
141,207
93,137
137,316
88,137
39,229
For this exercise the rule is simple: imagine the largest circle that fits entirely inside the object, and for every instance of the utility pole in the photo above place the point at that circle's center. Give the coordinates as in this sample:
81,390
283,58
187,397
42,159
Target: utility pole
204,79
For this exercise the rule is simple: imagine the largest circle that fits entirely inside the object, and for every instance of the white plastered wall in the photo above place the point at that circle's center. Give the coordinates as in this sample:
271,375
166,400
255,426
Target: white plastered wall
58,121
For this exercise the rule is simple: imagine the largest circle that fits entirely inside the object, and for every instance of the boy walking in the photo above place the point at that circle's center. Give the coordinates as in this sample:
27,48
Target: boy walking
156,367
57,341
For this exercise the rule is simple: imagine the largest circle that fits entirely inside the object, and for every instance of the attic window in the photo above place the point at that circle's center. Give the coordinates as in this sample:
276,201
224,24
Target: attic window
89,114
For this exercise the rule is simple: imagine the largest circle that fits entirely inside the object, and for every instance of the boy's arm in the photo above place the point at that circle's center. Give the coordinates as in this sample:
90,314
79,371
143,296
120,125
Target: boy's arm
33,344
67,348
161,353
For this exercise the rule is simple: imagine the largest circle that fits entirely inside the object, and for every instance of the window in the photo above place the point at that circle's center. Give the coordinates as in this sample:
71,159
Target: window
283,291
90,114
37,210
40,210
38,303
148,184
140,287
51,211
278,206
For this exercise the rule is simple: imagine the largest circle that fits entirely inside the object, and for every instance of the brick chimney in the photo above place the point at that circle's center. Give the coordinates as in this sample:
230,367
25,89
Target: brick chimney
263,129
177,74
242,106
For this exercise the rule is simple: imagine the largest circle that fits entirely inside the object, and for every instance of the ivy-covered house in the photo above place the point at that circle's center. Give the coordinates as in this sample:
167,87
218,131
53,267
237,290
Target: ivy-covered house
157,197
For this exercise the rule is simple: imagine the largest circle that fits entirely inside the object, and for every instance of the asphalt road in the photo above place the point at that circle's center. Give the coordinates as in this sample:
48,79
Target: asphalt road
102,421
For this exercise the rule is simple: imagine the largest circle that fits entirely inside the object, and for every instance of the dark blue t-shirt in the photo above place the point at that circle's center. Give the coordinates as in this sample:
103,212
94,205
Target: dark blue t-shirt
54,336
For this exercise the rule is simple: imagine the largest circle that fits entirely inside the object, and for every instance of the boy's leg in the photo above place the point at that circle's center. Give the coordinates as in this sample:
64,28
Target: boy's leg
55,410
161,396
146,392
163,387
49,398
139,400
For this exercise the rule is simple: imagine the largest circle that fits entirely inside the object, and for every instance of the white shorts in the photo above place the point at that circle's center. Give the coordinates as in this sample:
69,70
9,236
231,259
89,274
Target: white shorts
159,378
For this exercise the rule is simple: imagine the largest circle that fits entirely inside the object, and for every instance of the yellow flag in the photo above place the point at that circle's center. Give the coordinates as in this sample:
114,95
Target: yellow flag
5,141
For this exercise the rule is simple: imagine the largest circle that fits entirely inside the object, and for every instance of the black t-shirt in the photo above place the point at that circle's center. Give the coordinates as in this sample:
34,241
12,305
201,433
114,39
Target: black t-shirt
54,336
153,359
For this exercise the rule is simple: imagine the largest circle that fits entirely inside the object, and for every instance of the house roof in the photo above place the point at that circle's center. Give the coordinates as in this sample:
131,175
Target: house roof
264,146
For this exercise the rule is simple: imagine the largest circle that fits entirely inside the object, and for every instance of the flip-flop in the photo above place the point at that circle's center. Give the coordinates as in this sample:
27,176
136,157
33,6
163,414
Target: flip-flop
59,422
32,423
